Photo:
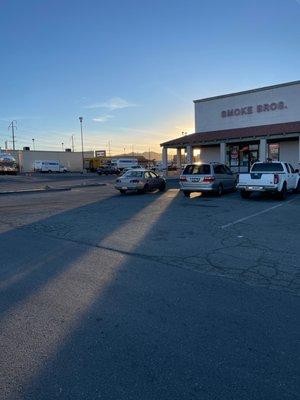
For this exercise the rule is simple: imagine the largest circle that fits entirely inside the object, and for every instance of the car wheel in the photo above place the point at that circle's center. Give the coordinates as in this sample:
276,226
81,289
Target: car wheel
297,190
186,193
220,190
282,194
245,195
146,188
122,191
162,187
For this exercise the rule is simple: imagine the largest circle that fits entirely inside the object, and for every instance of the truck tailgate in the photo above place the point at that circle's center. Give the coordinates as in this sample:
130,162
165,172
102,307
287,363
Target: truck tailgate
256,179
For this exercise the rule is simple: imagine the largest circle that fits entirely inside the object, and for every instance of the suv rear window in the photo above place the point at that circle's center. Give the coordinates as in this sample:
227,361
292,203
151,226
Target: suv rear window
267,167
195,169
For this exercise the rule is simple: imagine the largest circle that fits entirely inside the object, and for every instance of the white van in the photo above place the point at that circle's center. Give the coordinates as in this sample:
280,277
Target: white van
122,163
48,166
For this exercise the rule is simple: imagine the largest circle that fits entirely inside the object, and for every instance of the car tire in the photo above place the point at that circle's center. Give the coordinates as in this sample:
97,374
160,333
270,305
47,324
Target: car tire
186,193
245,195
146,188
297,190
220,190
162,187
283,192
122,191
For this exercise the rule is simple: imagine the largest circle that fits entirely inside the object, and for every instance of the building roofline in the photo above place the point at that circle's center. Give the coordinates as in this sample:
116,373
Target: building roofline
248,91
236,133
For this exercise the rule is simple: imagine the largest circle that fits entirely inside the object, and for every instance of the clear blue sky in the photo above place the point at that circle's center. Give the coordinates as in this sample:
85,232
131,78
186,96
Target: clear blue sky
132,68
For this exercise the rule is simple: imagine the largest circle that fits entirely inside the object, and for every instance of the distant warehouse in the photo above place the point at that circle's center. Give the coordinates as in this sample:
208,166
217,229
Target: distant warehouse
26,159
241,128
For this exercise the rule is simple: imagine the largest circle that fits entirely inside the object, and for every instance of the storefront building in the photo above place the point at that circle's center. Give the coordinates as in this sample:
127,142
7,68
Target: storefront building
241,128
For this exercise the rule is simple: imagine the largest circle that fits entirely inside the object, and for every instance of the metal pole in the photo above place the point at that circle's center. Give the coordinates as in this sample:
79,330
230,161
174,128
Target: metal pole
33,145
72,137
12,126
80,120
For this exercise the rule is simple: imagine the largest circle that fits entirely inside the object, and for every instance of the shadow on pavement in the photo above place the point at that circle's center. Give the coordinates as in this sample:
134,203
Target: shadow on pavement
155,332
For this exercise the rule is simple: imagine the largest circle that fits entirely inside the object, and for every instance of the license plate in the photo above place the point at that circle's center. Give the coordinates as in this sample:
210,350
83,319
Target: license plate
255,187
195,179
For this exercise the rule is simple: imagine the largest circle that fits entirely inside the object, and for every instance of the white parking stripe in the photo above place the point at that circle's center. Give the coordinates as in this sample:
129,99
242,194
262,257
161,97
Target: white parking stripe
255,215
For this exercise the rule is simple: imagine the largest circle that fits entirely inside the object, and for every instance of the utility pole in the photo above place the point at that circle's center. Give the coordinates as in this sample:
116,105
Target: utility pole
13,127
72,139
80,120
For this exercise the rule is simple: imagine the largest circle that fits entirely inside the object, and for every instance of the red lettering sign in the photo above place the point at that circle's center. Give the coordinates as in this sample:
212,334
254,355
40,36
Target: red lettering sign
249,109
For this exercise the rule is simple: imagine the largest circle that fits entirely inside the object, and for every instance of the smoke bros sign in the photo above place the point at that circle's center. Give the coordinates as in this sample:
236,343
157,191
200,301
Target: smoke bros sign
235,112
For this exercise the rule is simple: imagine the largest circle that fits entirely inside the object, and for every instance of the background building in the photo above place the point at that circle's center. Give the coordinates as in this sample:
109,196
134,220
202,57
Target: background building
71,160
241,128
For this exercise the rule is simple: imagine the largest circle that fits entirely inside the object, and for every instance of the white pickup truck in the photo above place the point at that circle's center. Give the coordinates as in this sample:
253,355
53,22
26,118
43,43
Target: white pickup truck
275,177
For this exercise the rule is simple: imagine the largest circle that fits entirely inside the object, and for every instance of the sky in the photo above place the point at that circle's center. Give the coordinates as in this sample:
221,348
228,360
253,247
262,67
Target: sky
132,68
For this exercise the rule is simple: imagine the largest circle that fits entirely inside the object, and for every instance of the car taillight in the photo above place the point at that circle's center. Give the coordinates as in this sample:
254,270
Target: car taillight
208,179
276,178
182,179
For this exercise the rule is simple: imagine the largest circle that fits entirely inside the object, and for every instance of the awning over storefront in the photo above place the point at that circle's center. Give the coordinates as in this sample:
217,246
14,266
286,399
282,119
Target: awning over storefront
230,134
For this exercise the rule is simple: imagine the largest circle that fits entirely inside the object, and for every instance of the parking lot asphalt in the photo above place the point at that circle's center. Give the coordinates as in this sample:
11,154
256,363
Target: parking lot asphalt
150,296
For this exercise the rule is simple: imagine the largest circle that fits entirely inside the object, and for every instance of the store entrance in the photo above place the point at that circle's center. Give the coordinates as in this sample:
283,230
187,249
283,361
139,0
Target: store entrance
241,156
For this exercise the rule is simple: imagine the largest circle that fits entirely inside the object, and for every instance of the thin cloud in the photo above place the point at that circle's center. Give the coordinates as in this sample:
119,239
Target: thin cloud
104,118
115,103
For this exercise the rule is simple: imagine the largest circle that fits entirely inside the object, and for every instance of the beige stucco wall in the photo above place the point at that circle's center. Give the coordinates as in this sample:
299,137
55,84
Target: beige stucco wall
208,113
289,151
209,154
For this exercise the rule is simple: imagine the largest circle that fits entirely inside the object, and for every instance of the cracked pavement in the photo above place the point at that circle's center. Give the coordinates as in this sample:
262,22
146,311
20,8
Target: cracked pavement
158,262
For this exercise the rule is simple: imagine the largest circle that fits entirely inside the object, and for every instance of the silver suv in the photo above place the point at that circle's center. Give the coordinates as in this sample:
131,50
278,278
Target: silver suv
207,177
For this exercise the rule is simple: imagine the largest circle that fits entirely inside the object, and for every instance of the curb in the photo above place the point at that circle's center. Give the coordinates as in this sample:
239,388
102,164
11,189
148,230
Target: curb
30,191
87,185
48,190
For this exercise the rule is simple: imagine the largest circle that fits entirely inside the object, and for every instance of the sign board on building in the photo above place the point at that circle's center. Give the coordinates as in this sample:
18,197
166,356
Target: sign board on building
273,105
100,153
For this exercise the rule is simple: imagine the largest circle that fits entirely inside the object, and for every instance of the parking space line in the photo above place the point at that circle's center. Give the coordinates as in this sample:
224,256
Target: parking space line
255,215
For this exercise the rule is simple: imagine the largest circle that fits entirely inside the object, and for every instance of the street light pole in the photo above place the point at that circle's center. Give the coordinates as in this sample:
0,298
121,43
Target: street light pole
33,145
12,125
72,138
80,120
62,146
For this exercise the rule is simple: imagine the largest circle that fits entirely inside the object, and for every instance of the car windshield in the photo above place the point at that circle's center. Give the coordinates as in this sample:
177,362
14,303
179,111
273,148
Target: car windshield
197,169
267,167
134,174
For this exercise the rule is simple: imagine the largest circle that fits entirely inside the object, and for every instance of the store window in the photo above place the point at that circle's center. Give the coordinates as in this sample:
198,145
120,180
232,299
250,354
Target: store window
273,152
242,156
